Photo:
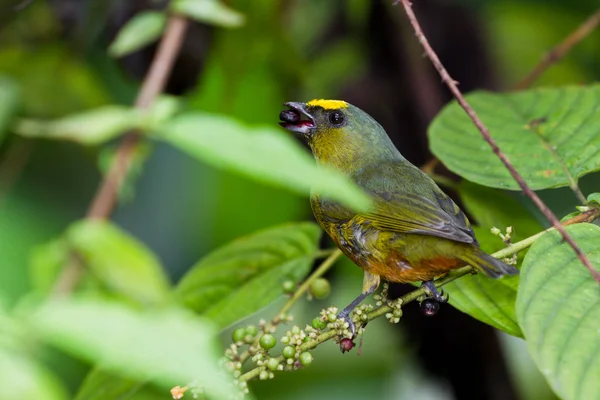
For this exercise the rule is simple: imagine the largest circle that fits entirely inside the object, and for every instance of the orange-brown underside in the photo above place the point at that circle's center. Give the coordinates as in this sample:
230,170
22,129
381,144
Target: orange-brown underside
424,270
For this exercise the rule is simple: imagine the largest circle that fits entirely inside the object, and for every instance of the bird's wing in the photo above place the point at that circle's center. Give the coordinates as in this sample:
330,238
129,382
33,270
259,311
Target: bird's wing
412,213
408,201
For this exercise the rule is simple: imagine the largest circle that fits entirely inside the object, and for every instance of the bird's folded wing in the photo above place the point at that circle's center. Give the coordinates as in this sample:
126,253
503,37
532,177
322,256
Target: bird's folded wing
411,213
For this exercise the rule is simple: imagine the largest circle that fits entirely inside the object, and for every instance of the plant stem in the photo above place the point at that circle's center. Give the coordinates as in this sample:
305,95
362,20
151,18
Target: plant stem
321,269
558,52
452,85
515,248
105,199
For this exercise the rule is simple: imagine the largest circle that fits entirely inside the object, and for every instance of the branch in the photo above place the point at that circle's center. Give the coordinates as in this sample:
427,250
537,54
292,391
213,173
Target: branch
153,84
558,52
515,248
452,85
106,197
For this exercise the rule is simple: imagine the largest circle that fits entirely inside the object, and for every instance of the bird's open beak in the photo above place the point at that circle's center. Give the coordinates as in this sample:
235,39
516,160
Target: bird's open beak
297,119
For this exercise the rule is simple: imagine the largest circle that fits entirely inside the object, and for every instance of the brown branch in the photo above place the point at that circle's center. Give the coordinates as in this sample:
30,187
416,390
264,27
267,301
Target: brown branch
452,85
154,82
558,52
106,197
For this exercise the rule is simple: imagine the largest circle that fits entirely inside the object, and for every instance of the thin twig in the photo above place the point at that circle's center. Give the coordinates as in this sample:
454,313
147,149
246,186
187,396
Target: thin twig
558,52
154,82
515,248
106,197
452,85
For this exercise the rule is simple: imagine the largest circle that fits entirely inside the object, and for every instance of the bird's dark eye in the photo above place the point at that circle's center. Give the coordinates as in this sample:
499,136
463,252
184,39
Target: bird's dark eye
336,118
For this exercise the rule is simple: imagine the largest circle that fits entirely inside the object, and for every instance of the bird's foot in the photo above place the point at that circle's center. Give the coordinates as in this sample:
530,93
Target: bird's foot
345,316
433,292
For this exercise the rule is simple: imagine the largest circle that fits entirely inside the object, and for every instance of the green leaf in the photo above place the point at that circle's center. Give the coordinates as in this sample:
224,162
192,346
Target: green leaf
594,198
141,30
264,154
89,128
558,308
101,384
489,300
9,101
169,346
550,135
46,262
247,274
209,12
120,261
22,378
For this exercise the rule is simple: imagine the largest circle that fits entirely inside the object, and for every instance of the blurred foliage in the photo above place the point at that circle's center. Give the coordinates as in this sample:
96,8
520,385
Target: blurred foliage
59,79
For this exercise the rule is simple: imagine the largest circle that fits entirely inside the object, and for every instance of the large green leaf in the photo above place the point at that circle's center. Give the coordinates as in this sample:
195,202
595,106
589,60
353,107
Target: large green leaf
141,30
550,135
489,300
9,101
89,127
247,274
23,378
264,154
558,308
168,346
119,261
101,384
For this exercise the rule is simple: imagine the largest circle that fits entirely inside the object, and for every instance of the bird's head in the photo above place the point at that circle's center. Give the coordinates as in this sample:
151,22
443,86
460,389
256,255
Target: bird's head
338,133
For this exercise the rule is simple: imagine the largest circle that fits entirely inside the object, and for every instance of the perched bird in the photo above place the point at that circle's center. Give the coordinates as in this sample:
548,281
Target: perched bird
414,231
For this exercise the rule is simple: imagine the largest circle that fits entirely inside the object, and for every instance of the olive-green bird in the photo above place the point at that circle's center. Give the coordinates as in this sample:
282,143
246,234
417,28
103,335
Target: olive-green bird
414,232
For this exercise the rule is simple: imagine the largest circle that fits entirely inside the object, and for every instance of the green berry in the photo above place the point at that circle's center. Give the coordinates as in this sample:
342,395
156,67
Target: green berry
263,376
267,341
272,364
238,335
251,330
285,339
331,317
295,330
288,352
306,358
320,288
318,323
289,286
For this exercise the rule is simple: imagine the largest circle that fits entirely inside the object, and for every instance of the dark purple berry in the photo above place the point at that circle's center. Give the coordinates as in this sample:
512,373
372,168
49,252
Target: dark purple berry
430,307
289,116
346,345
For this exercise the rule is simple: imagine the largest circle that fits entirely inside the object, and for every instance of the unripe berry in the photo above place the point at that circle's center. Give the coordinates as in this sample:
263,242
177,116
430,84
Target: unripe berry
238,335
251,330
272,364
267,341
320,288
289,286
288,352
306,358
318,323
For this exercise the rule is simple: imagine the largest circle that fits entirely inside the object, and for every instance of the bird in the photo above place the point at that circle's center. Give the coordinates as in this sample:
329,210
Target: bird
412,232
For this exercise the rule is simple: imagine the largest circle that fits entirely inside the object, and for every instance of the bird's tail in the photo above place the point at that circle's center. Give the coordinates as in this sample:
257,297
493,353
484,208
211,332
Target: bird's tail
488,265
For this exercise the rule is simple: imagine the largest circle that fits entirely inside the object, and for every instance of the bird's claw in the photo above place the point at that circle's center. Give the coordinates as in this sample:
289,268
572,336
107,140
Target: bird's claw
347,319
434,293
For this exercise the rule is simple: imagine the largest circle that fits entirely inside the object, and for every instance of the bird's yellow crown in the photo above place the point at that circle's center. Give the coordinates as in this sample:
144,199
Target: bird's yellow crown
327,104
